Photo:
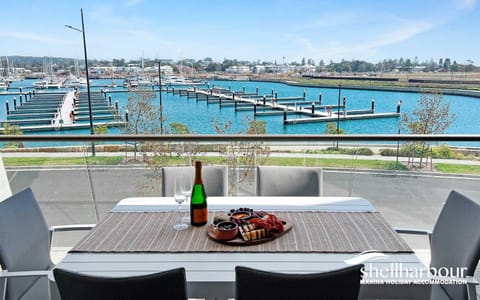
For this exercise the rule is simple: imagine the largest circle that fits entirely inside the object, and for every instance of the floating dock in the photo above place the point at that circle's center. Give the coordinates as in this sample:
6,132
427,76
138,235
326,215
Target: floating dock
271,105
60,111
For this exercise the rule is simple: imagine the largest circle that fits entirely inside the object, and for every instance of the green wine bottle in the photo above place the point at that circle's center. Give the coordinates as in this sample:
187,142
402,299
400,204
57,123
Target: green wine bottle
198,203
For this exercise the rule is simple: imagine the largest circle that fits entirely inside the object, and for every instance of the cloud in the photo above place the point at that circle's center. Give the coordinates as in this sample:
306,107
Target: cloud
131,3
340,49
333,20
32,36
107,15
400,35
464,4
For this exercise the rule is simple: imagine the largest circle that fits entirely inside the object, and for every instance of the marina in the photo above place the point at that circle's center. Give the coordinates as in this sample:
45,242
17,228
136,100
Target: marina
180,102
313,109
61,110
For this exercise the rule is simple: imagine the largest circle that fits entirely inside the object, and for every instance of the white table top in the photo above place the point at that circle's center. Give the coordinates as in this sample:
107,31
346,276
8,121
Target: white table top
212,274
351,204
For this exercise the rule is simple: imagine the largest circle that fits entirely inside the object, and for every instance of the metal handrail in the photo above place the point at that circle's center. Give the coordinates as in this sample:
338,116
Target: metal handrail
245,138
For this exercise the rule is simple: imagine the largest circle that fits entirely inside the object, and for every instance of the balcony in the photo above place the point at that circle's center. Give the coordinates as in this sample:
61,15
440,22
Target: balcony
406,177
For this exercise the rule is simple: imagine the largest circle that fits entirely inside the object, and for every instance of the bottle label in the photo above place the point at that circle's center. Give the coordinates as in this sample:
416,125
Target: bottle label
200,215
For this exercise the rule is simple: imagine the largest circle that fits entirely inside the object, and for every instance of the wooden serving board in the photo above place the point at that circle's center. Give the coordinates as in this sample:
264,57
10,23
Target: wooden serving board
239,241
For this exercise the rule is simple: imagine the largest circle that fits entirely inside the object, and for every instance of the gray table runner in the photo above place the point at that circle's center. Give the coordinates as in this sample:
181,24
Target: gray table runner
322,232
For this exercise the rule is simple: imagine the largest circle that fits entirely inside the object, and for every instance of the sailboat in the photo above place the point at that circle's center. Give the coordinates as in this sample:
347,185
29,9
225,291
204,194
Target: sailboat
76,80
50,81
143,80
3,84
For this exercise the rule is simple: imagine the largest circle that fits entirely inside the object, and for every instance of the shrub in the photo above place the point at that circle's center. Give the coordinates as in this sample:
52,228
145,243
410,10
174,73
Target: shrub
363,151
348,151
443,151
388,152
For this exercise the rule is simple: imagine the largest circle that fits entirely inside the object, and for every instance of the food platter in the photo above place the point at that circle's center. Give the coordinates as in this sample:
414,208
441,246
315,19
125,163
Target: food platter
238,241
244,227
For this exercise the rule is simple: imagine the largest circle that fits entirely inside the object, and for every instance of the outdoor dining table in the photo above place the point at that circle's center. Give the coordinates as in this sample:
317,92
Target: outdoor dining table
137,237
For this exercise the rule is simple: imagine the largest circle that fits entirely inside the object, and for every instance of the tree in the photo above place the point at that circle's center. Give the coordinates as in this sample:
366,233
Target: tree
332,129
431,116
446,64
186,151
242,157
143,116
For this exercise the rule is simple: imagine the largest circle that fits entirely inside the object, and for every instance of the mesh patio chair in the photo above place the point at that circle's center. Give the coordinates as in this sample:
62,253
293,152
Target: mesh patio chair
289,181
168,285
25,242
454,243
215,179
253,284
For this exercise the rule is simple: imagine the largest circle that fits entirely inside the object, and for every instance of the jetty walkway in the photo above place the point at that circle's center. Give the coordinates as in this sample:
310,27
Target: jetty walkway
310,111
60,111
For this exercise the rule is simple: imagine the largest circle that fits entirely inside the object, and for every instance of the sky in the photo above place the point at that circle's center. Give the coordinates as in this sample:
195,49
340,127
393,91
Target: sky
265,30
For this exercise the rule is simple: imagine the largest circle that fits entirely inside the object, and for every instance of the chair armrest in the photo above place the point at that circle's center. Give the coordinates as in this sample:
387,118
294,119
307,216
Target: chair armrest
7,274
415,231
472,280
75,227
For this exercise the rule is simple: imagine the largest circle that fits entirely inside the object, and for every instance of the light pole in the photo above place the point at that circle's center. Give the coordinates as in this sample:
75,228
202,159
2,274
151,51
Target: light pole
160,95
86,74
338,110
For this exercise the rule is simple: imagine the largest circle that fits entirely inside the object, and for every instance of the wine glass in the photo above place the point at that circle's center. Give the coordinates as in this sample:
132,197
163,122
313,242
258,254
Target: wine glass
188,182
179,197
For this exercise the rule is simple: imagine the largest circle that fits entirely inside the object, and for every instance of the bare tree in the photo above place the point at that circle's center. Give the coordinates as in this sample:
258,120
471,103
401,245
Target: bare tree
143,116
431,116
242,157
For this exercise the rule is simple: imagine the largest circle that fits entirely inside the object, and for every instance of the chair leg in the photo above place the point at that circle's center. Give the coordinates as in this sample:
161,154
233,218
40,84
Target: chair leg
4,290
471,291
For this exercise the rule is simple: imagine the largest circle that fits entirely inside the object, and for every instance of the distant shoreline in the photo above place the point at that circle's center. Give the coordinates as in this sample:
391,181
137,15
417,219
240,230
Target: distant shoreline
454,92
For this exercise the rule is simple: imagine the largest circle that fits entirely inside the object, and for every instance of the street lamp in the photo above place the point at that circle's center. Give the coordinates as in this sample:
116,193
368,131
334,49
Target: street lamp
86,74
160,94
338,110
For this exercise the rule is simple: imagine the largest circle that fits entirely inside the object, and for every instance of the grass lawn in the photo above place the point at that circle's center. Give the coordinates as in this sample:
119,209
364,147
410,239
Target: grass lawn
64,161
458,169
335,163
279,161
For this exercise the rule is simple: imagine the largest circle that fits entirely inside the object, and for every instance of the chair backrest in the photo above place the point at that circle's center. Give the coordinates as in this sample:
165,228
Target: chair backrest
215,179
288,181
169,285
24,240
255,284
5,190
456,239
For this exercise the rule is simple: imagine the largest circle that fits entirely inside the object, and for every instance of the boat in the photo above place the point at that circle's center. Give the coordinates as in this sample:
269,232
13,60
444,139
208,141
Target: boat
113,84
50,81
130,83
76,80
173,80
143,81
3,84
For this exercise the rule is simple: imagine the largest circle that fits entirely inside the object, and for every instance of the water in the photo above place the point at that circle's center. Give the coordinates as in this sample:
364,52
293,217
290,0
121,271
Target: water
199,116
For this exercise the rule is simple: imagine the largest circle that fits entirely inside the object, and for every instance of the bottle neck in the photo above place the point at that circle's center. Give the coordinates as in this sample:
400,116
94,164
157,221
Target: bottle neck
198,175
